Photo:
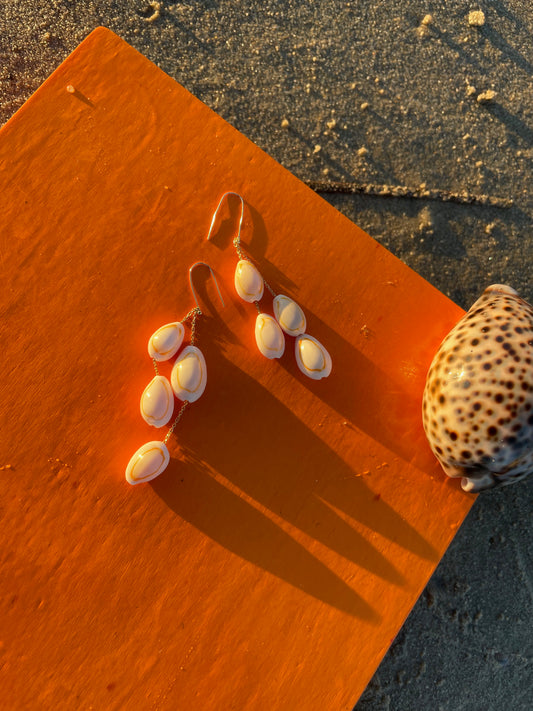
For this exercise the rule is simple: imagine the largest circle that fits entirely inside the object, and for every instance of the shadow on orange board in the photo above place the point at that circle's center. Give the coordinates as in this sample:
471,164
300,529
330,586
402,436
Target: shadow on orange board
267,452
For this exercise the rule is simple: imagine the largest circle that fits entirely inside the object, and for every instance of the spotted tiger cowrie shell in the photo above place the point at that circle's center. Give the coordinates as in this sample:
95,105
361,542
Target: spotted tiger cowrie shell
269,336
478,399
166,341
312,358
149,461
189,374
249,284
289,315
157,402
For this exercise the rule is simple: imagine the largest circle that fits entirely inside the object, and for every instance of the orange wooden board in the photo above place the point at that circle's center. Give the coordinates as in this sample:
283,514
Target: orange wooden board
272,564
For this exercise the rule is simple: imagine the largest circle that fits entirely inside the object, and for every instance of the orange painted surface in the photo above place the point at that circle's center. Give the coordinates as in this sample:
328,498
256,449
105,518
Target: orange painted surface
273,563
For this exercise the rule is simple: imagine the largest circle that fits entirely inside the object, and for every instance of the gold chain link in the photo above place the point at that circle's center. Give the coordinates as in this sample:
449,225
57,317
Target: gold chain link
174,424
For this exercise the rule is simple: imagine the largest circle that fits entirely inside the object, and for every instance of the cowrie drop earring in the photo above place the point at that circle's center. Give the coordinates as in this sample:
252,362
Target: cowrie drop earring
188,379
311,356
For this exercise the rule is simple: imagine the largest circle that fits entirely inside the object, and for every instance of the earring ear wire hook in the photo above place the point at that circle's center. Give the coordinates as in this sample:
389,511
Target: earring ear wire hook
196,264
237,238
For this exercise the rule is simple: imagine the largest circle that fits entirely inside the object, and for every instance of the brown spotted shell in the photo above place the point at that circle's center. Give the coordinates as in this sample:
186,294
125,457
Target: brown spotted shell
478,399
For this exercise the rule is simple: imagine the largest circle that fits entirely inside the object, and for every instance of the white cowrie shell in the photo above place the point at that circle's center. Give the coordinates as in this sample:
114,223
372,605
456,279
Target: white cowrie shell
269,336
165,342
148,462
312,358
189,374
249,284
157,402
289,315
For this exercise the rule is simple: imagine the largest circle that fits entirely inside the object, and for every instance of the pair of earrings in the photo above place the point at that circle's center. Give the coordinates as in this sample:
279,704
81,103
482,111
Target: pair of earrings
189,372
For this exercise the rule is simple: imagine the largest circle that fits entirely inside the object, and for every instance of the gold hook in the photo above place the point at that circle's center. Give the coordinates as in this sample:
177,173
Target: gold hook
237,239
196,264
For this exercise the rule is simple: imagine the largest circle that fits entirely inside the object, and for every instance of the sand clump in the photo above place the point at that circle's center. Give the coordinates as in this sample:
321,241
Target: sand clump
476,18
487,96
